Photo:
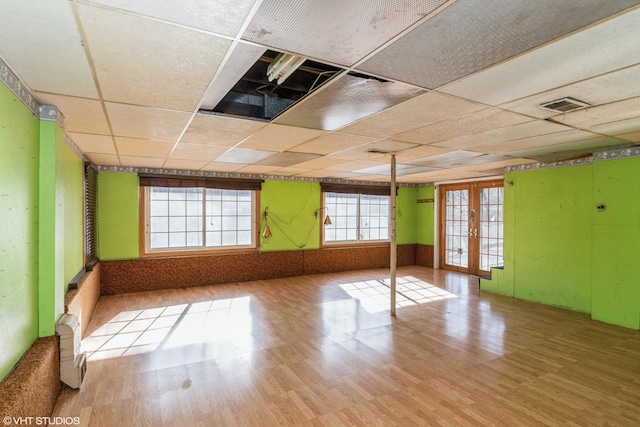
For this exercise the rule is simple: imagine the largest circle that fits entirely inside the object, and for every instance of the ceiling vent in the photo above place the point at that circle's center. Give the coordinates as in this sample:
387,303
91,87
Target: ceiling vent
564,105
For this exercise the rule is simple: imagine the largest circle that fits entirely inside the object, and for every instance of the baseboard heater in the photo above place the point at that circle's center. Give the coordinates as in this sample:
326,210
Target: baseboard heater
73,361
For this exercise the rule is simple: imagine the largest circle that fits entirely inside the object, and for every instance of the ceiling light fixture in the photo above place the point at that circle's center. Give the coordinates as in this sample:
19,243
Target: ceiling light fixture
283,66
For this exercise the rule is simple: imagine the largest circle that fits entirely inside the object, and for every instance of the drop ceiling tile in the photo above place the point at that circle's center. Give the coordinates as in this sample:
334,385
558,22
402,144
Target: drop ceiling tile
449,175
287,159
80,114
279,137
355,165
420,151
470,161
103,159
41,41
193,165
237,64
185,151
619,127
341,32
570,150
321,163
384,169
419,111
135,147
89,143
501,164
591,117
480,34
444,158
254,169
599,90
536,141
222,16
147,123
388,145
473,123
597,50
289,171
147,62
317,173
633,136
141,162
345,99
509,133
371,177
224,167
331,143
244,155
345,175
220,130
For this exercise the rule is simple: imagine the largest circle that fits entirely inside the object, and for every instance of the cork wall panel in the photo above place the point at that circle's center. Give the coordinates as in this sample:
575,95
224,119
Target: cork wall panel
180,272
82,301
424,255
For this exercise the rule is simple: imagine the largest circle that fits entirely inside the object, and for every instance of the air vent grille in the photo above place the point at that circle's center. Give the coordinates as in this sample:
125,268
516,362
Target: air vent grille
564,105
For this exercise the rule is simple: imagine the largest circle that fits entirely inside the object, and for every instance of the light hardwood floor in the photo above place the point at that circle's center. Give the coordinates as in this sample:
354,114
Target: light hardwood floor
323,351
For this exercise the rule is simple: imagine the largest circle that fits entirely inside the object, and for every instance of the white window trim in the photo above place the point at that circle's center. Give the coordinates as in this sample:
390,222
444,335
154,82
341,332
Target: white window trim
358,241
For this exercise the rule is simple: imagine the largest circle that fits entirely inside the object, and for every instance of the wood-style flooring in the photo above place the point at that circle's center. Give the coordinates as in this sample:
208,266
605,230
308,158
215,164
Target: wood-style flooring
323,350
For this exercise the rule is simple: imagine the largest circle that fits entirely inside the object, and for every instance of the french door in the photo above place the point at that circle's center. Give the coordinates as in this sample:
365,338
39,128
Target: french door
471,231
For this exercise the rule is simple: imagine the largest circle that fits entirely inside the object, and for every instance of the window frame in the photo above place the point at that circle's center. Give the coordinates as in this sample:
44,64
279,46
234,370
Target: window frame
146,251
358,242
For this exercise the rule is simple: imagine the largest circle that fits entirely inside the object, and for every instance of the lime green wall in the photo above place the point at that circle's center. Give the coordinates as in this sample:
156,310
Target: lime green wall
425,216
291,206
19,131
552,237
406,216
118,222
616,242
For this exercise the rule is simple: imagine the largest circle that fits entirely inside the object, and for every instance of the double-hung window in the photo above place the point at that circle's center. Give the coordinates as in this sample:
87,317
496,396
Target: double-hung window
356,216
187,215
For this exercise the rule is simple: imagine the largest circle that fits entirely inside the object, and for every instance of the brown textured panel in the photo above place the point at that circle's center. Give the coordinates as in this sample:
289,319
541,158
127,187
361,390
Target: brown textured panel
169,273
119,277
33,386
82,301
424,255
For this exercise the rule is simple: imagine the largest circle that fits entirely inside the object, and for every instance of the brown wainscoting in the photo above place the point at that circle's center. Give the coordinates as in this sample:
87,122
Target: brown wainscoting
33,386
181,272
81,302
424,255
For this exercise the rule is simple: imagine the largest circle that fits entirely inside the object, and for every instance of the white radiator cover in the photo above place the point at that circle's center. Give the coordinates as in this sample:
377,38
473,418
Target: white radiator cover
73,362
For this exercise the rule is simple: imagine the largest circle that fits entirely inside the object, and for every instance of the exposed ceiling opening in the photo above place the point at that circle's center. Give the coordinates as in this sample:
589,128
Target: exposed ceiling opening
259,96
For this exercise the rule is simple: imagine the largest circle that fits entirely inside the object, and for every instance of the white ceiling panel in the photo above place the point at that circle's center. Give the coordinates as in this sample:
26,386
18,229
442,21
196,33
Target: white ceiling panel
470,35
224,167
185,151
357,164
285,24
167,66
141,162
89,143
508,133
599,90
146,123
598,50
221,16
608,113
345,99
571,150
80,114
480,121
535,141
442,158
419,111
331,143
134,147
219,130
103,159
184,164
244,155
55,61
287,159
279,137
618,128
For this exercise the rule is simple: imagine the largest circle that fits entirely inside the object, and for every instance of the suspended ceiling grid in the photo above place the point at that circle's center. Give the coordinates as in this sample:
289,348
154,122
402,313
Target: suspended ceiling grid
451,87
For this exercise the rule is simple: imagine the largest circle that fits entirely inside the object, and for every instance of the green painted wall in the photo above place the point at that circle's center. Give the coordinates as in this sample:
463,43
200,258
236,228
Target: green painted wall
118,222
19,131
552,237
425,215
291,206
406,216
616,242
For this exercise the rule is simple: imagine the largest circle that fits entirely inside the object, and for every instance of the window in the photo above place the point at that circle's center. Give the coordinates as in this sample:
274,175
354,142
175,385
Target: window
197,218
356,217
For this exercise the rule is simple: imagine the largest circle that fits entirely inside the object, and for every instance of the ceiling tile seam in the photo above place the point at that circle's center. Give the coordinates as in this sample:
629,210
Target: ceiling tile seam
505,153
234,175
542,45
94,74
402,33
150,18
